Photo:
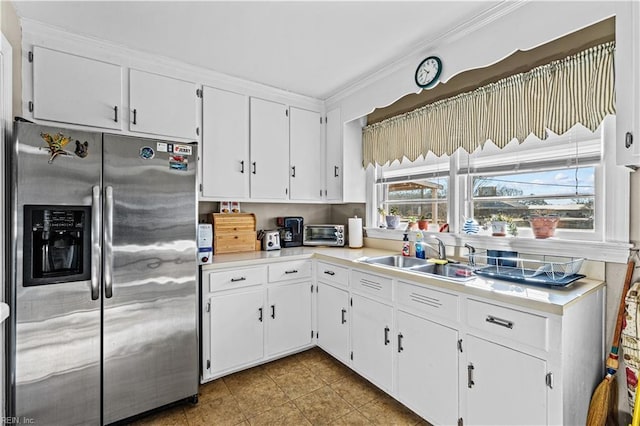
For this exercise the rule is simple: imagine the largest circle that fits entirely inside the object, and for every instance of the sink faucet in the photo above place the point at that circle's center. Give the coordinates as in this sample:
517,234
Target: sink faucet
472,254
442,251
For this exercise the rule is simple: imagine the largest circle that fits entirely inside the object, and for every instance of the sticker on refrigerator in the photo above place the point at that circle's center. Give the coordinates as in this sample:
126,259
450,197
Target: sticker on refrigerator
147,153
161,147
182,149
178,162
55,144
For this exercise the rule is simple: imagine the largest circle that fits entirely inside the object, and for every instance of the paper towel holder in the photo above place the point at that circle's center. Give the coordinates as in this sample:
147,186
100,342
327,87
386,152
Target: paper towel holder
355,232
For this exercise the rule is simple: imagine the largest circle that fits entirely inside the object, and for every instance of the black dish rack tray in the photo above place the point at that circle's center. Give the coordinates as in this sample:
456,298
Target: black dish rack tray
556,272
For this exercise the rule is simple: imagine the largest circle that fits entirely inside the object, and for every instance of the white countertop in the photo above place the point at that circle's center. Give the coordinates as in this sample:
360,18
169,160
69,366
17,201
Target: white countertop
552,300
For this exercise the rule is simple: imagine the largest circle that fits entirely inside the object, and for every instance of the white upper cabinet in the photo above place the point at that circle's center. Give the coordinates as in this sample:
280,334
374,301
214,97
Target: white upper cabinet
306,154
269,150
225,144
161,105
73,89
333,171
628,85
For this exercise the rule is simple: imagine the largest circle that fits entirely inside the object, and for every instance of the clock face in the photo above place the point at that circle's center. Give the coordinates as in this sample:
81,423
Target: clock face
428,71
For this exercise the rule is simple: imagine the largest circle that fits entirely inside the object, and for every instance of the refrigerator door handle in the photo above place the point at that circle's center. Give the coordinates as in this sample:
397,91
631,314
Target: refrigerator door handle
95,243
108,242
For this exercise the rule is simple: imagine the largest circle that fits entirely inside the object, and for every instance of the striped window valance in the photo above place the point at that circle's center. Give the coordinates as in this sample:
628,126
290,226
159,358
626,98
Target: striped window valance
556,96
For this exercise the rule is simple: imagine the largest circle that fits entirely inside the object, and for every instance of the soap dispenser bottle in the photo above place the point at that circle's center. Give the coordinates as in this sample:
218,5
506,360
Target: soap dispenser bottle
419,247
405,245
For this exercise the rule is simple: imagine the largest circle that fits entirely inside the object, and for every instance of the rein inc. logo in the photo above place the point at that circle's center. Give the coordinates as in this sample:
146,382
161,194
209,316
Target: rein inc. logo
17,420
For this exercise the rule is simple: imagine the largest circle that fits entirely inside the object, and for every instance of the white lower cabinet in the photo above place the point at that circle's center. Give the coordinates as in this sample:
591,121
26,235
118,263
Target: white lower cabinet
504,386
289,317
371,344
333,322
427,368
236,329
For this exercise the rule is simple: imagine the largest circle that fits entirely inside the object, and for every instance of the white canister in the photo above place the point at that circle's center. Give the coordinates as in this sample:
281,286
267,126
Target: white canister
355,232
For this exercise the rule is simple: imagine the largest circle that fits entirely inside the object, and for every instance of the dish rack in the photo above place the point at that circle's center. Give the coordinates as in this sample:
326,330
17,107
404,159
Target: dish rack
550,270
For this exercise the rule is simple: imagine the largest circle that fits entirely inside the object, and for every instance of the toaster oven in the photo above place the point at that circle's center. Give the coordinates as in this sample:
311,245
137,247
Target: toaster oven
323,235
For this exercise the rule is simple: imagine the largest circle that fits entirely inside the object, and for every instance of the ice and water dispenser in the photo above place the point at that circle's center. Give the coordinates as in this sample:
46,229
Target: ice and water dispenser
57,244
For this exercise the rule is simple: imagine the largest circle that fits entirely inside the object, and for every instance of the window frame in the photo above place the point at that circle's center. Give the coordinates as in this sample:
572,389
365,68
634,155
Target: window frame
608,242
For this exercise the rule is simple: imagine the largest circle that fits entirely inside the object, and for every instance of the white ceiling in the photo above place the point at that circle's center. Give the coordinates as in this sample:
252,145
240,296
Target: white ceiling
314,48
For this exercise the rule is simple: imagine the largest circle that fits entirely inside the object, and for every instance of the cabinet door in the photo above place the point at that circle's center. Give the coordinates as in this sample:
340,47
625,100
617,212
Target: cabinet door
289,317
162,105
333,317
333,170
72,89
504,386
225,144
236,324
269,150
306,167
371,340
428,368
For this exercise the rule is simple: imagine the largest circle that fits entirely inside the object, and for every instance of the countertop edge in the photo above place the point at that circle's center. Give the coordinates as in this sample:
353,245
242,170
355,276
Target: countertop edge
531,297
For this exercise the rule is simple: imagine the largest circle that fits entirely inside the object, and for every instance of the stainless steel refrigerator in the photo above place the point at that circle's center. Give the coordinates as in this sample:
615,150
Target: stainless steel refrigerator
103,275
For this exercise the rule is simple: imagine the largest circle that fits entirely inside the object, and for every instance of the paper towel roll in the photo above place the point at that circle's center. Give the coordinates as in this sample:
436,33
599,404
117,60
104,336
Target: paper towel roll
355,232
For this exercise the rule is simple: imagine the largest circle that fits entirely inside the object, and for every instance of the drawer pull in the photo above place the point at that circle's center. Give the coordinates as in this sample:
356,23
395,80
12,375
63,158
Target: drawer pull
499,321
470,381
235,280
344,319
400,348
330,273
386,336
293,271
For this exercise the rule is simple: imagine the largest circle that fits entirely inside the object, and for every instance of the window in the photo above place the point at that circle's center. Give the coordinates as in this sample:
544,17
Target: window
413,193
572,176
557,177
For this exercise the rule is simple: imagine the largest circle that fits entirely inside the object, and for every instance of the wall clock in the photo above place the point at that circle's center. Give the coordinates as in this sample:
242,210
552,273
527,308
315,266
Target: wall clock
428,72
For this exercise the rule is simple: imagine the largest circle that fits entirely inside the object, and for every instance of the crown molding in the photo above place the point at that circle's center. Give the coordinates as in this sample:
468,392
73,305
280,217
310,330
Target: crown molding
36,32
408,56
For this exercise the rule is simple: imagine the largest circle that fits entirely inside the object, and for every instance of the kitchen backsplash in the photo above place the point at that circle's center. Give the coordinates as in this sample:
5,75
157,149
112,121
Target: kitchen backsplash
266,213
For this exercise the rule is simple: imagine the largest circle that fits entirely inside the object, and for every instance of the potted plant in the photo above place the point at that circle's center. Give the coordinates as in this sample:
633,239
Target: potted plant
381,217
499,223
393,218
423,223
543,226
413,224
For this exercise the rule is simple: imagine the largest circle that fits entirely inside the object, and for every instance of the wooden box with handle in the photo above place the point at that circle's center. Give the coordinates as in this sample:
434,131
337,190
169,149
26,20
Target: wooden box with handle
234,232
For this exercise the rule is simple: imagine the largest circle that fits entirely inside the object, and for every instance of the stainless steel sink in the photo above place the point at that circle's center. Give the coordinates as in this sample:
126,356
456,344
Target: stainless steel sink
453,271
397,261
450,270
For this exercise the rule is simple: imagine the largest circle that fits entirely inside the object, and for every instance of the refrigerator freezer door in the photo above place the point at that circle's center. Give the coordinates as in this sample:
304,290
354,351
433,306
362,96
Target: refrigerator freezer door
55,339
150,345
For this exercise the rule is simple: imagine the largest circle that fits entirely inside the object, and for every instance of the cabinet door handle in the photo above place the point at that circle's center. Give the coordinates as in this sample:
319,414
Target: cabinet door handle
115,113
470,381
260,314
386,336
400,348
293,171
235,280
242,166
273,311
330,273
549,380
344,318
335,171
293,271
135,116
254,167
499,321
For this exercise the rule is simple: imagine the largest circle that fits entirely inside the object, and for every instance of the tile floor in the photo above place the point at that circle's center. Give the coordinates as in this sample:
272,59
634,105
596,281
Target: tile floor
309,388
